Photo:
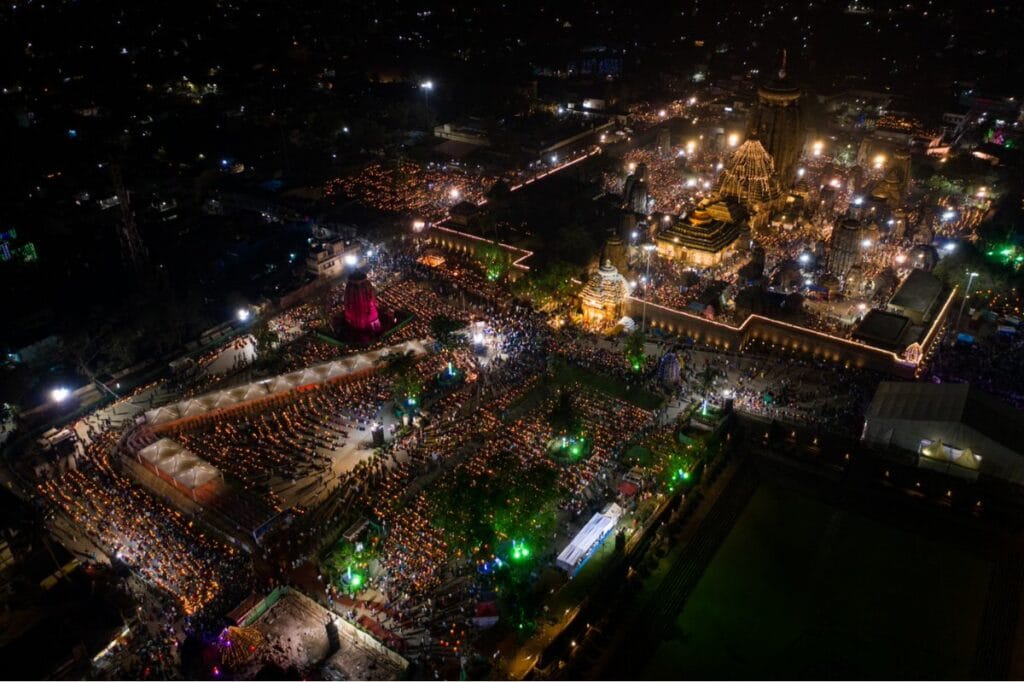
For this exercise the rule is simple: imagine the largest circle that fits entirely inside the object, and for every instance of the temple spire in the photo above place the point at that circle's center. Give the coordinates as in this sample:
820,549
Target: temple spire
782,68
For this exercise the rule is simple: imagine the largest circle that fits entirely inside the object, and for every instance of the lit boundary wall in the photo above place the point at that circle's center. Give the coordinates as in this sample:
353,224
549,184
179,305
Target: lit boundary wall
788,336
728,337
470,244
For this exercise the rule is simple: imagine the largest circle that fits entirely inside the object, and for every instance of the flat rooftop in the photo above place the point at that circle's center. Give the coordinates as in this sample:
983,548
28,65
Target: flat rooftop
919,292
882,329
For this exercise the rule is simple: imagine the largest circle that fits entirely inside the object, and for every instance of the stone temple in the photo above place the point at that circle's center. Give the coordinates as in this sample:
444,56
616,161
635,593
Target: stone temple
749,178
361,315
777,121
603,296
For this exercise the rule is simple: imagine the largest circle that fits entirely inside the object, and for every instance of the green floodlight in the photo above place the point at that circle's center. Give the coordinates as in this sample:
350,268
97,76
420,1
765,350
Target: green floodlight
520,551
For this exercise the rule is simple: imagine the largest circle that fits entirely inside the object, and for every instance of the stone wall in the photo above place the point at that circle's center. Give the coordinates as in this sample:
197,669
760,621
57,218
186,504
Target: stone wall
782,335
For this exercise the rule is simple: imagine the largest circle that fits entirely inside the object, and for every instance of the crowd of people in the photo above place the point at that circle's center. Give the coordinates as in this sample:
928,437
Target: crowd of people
426,190
160,543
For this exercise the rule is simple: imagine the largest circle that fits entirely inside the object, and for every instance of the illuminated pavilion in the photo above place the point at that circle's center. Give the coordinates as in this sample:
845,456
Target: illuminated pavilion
705,237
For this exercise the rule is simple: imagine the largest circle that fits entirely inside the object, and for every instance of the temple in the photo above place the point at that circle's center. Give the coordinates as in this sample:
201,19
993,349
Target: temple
777,120
361,305
603,296
706,236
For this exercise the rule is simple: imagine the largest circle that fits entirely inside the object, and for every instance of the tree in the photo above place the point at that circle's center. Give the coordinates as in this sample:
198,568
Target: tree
552,284
405,381
499,198
575,244
706,378
636,356
445,329
494,259
265,338
563,418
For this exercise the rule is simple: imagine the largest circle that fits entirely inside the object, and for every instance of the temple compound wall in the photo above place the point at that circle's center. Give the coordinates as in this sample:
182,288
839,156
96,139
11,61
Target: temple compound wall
787,337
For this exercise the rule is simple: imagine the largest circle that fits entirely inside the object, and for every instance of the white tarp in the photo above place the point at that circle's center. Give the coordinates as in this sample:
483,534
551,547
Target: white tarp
589,537
179,463
905,415
280,384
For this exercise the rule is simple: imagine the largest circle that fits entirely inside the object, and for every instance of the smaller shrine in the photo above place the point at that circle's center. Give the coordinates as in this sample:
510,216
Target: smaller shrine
603,296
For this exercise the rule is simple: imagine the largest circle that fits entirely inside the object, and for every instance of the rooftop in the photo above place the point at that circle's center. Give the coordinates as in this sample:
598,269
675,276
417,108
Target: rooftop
882,329
919,292
961,403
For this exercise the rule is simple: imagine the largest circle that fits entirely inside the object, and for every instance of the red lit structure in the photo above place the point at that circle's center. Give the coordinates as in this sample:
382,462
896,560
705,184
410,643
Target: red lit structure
361,305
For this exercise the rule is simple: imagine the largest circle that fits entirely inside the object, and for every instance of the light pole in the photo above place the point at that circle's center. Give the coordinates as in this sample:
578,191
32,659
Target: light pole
648,247
967,293
426,87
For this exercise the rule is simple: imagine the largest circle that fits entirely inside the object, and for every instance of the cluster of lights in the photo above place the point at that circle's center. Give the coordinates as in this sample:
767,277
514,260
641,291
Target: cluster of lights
520,551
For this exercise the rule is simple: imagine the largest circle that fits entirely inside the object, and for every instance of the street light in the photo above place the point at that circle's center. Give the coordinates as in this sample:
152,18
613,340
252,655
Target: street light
60,394
967,293
426,86
242,314
648,247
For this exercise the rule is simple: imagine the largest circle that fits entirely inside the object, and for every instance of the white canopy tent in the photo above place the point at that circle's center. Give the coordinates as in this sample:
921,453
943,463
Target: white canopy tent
942,422
179,463
588,539
316,374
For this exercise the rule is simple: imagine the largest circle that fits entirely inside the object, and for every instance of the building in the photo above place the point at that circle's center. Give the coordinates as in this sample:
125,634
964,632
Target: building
955,428
635,196
705,237
298,633
749,176
615,252
917,297
846,247
463,213
590,537
603,296
361,304
471,131
886,330
777,121
330,259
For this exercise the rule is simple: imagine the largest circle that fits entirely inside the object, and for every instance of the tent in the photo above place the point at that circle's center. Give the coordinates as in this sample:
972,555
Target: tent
182,466
316,374
958,427
163,414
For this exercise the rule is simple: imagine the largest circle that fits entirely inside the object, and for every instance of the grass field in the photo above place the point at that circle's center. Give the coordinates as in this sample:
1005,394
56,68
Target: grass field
568,374
802,589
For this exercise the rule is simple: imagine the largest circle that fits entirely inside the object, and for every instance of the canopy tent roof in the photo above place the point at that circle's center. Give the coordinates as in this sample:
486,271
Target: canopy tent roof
316,374
589,536
954,423
179,463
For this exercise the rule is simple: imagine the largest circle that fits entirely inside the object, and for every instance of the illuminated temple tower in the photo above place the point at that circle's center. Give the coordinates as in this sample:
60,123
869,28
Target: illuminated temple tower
603,296
846,250
749,178
778,122
361,305
635,196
